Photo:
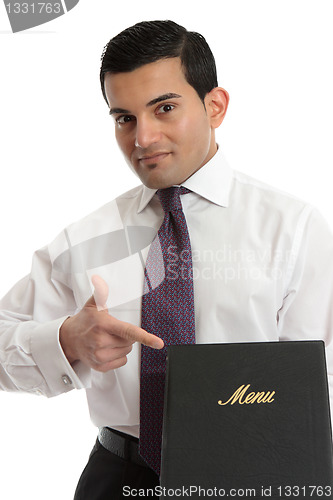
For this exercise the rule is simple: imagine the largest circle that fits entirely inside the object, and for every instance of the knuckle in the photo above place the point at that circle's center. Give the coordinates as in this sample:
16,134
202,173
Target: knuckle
98,356
98,342
94,365
95,329
129,349
99,368
111,365
120,362
127,332
103,368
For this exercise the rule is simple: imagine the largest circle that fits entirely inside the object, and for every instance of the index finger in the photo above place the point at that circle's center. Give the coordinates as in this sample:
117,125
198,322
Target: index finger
134,333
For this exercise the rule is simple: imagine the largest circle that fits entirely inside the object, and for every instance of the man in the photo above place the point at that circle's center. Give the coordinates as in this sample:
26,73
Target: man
262,260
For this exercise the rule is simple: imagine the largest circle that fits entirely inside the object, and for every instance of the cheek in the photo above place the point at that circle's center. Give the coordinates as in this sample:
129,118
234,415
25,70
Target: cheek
185,132
123,142
194,135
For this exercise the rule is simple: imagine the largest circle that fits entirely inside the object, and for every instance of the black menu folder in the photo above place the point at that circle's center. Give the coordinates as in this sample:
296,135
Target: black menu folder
247,420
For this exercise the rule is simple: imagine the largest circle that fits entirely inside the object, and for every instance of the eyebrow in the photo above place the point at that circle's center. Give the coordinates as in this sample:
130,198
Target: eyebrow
161,98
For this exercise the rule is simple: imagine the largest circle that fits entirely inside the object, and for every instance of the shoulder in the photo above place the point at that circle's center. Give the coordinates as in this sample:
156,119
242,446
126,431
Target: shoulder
256,193
105,220
271,209
110,215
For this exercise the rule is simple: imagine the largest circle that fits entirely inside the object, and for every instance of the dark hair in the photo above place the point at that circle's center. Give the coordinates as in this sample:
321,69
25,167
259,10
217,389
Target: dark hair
149,41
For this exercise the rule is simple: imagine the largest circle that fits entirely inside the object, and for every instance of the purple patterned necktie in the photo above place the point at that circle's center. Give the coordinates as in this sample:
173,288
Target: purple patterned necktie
168,312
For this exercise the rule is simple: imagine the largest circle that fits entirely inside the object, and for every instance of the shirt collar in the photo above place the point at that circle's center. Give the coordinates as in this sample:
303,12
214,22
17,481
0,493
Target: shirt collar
212,181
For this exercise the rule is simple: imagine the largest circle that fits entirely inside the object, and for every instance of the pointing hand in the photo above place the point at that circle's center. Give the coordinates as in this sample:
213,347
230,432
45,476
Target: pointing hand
98,339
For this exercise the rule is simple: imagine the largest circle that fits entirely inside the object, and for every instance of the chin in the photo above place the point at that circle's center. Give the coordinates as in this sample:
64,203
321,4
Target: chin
157,181
158,185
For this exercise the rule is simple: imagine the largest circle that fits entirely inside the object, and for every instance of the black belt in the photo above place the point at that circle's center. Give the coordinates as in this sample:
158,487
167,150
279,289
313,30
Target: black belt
122,445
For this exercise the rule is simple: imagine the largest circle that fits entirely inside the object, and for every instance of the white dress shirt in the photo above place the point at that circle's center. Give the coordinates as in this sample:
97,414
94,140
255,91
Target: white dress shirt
263,271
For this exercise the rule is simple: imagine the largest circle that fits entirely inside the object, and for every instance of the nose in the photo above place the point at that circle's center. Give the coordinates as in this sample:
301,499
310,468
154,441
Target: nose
148,132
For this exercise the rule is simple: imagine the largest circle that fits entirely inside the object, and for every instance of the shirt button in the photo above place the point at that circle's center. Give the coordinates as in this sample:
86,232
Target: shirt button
66,380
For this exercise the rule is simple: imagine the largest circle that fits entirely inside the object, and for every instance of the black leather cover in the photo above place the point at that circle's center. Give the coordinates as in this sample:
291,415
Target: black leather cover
273,436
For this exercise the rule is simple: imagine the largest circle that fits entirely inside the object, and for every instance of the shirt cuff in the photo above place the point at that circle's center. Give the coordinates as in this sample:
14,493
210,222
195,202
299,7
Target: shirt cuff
60,376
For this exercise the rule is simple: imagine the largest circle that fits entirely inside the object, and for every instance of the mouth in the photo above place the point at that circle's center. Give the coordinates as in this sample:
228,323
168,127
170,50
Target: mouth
153,159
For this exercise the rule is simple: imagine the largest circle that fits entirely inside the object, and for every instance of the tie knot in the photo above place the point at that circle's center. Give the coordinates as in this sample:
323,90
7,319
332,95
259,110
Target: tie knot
170,198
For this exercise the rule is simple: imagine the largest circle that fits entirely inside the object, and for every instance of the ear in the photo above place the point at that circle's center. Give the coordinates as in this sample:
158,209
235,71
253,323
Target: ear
216,102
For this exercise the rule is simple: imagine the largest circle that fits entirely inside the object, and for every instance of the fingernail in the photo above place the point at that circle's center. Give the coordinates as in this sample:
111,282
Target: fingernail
158,344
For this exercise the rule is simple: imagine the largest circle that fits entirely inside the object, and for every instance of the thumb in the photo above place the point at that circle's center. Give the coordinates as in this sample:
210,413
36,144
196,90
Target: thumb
101,292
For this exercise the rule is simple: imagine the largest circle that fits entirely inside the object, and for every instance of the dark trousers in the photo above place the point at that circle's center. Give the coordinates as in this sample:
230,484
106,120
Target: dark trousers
109,477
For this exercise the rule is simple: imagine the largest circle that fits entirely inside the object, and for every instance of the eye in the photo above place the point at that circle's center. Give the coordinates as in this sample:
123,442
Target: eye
122,119
165,108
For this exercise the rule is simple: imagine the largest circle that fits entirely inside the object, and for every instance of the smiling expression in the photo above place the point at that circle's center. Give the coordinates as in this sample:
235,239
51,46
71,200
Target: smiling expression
162,127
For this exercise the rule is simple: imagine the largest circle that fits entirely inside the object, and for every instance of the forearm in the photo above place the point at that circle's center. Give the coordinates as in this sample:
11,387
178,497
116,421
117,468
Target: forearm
32,359
307,310
31,314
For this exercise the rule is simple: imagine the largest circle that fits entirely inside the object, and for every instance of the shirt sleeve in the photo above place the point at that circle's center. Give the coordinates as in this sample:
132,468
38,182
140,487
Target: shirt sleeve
307,310
31,357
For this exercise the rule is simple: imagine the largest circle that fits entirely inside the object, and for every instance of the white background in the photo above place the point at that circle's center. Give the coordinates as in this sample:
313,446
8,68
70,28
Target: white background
59,161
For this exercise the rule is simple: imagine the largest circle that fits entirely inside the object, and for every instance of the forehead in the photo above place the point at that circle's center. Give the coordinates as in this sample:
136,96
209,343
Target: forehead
143,84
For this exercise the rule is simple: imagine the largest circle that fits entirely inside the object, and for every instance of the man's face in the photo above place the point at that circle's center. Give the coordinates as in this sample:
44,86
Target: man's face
162,126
